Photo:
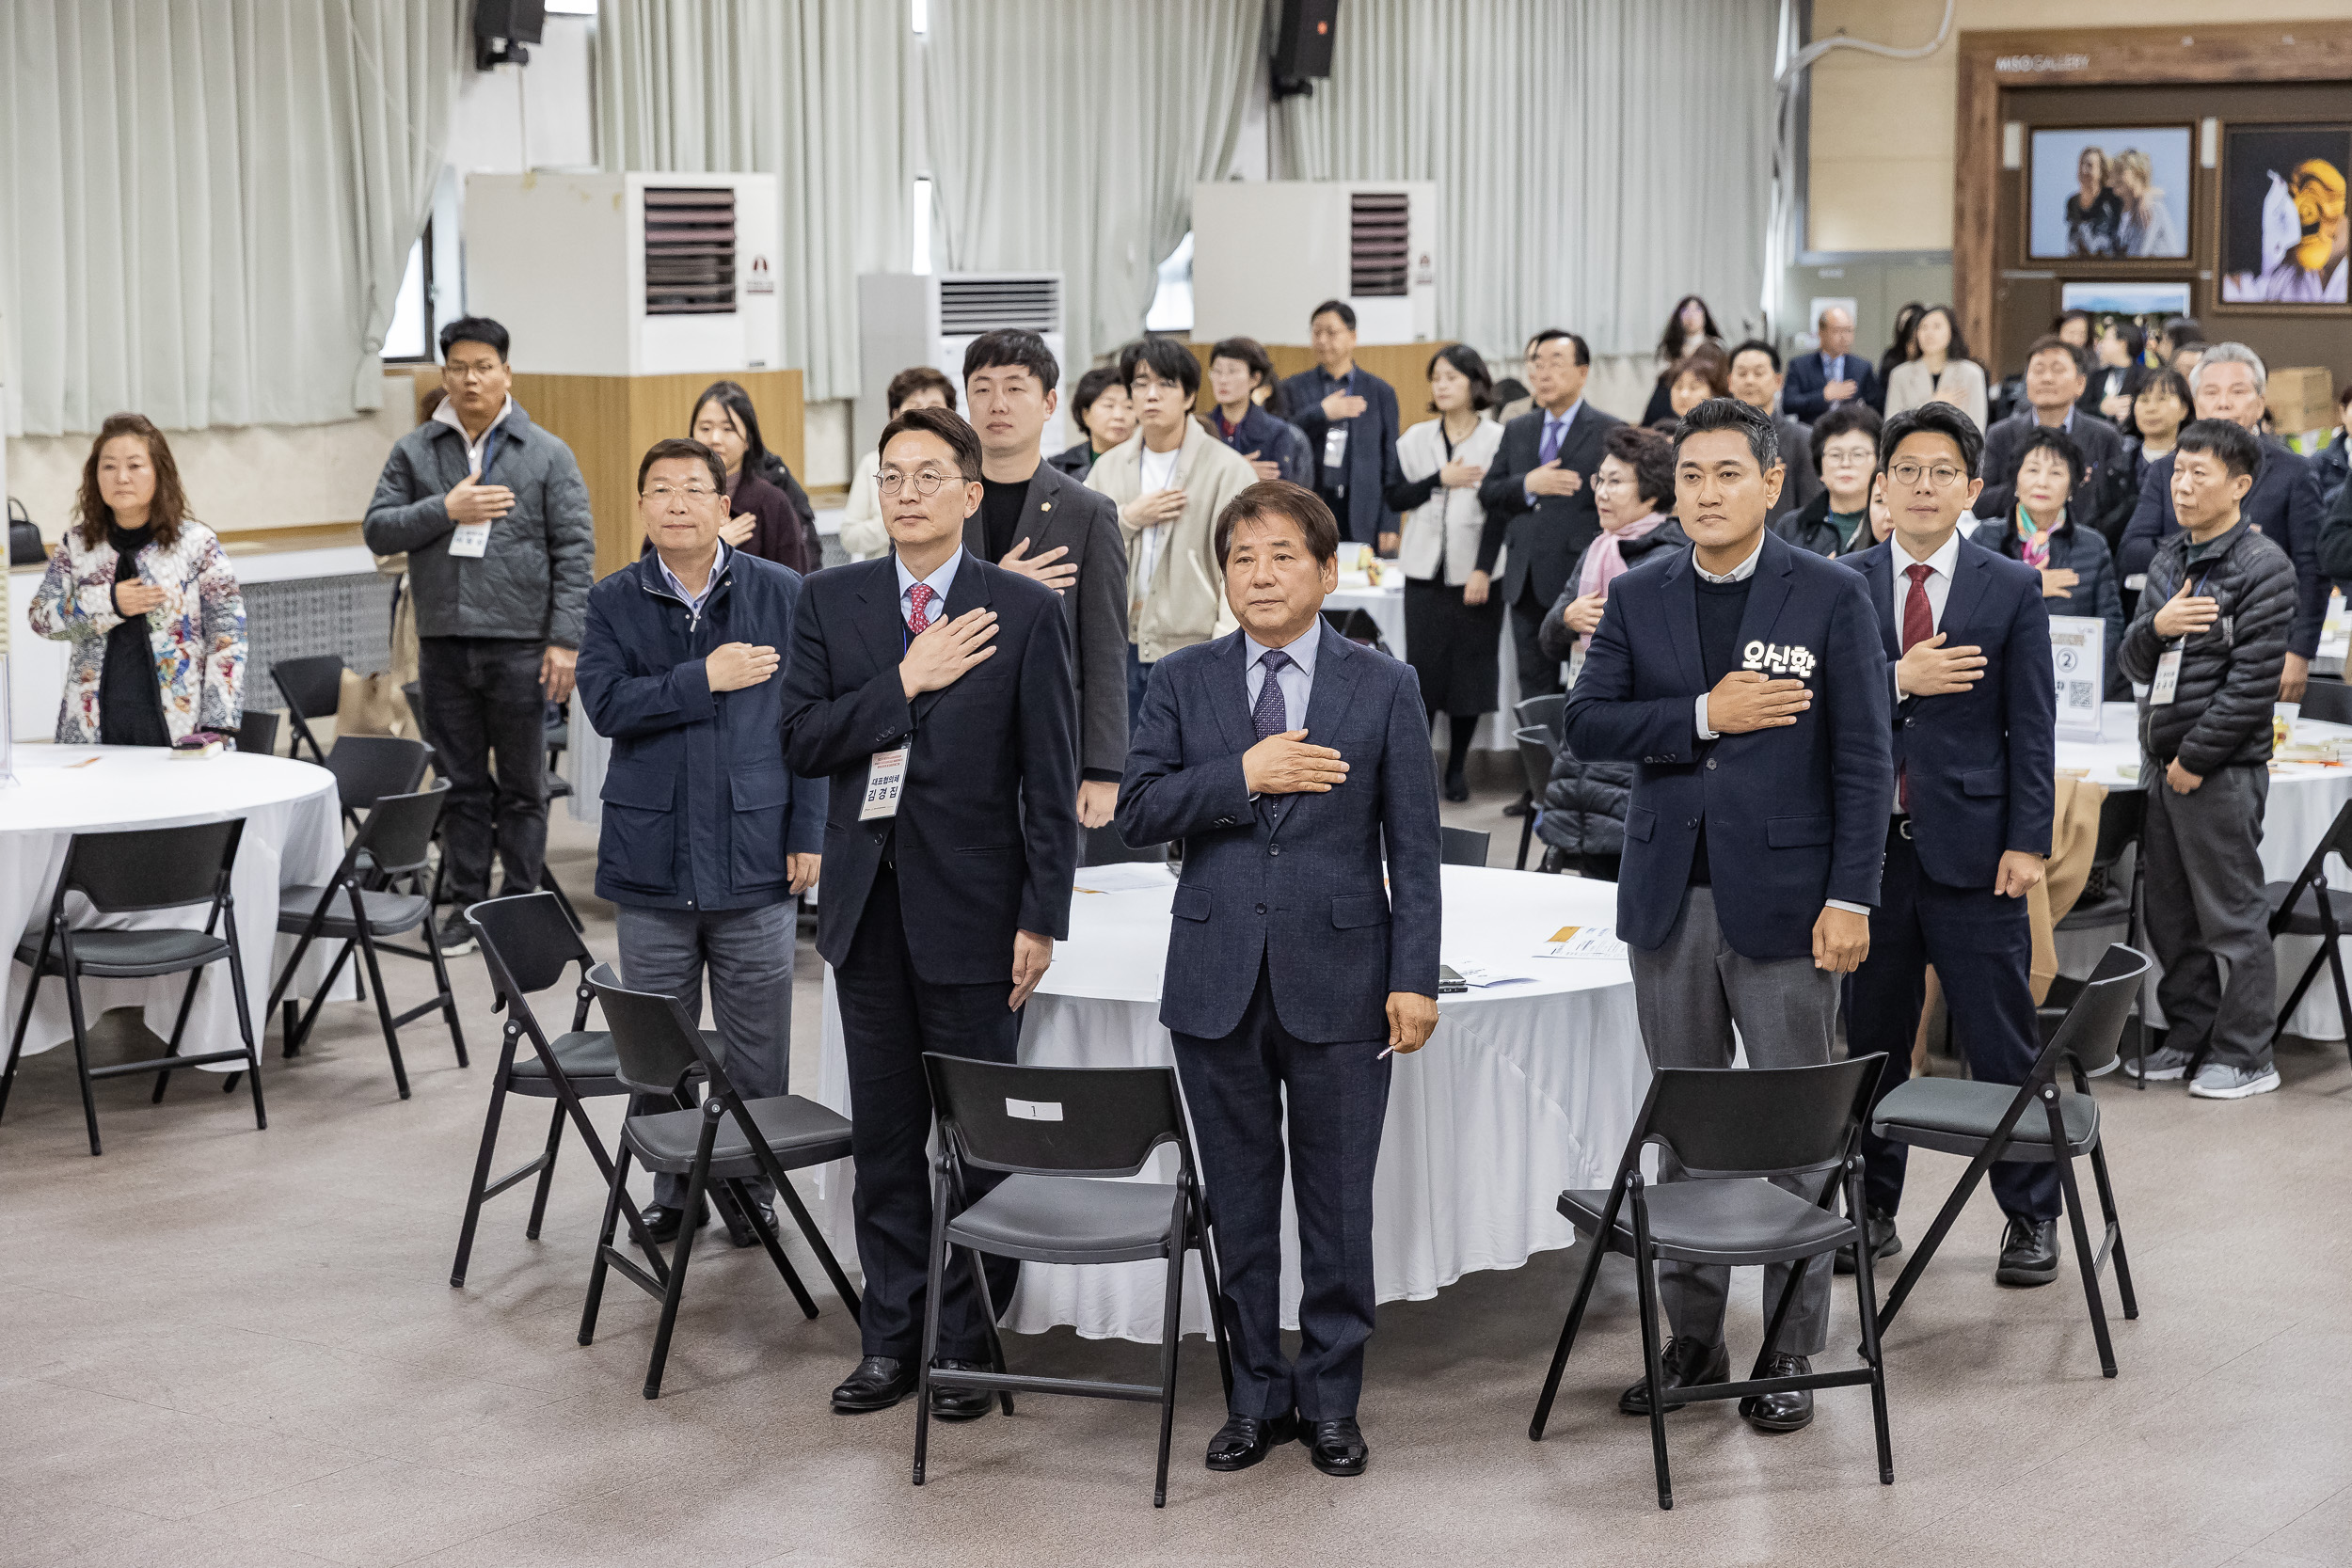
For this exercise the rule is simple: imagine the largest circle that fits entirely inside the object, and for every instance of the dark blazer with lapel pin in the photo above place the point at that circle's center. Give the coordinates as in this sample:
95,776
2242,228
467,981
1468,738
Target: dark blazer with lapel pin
1795,815
1060,512
1293,880
1983,762
987,830
1808,373
1547,540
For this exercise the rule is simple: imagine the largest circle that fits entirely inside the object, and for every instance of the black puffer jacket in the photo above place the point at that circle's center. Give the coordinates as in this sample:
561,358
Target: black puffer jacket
1809,528
2220,710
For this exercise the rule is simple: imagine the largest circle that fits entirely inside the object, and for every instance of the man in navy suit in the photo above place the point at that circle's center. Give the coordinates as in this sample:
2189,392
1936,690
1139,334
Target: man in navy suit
934,688
1349,417
1743,677
1285,756
1538,495
1820,382
1966,642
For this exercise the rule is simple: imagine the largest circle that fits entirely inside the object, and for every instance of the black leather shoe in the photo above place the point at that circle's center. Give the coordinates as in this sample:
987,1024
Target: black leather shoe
2029,1253
879,1383
1789,1411
1337,1447
741,1234
1683,1364
1879,1227
1242,1440
1457,790
661,1222
955,1403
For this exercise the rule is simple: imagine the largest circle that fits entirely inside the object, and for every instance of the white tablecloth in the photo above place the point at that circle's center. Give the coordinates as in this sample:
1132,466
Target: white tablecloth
1386,606
1523,1090
2304,801
292,835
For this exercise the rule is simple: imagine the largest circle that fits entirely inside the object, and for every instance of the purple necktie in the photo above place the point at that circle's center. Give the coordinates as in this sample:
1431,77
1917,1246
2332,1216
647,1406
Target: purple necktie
1553,430
1269,715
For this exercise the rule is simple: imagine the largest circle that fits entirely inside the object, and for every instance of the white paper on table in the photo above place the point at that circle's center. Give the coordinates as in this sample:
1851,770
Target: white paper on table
1126,876
1479,975
1582,942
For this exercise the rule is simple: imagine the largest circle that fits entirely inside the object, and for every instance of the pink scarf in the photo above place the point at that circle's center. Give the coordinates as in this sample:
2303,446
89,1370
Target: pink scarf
1603,563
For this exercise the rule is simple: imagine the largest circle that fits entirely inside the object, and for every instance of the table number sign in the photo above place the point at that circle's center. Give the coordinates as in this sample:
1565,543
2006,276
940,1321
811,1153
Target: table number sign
2078,654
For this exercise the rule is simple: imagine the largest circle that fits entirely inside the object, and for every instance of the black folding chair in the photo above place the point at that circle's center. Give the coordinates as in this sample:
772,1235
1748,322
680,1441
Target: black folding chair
1462,846
2327,700
1545,713
1061,1133
128,873
526,941
1536,750
1104,846
396,839
257,732
2329,910
313,688
1733,1129
1357,624
1987,1122
727,1139
367,768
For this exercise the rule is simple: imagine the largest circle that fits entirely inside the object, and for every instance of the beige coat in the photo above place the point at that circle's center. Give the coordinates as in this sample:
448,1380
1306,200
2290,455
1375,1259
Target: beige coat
1185,601
1913,386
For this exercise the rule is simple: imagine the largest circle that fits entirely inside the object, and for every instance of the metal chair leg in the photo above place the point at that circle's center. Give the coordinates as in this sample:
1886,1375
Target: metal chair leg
2114,1229
695,1182
988,1323
245,1018
179,1027
546,1174
1646,1284
384,1009
1865,1300
1171,1336
2085,1258
935,1286
612,1200
1567,1337
477,1191
81,1049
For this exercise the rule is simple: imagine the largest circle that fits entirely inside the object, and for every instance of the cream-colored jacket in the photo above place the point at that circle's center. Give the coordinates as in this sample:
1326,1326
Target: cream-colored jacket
1184,602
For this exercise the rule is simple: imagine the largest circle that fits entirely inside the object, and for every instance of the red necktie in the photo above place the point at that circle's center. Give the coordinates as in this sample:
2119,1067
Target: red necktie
1918,625
921,595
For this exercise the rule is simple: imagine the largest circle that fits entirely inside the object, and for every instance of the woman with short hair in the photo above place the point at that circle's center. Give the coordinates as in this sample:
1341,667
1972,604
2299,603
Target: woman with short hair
1845,457
148,599
1248,414
1703,373
2029,520
1103,415
863,535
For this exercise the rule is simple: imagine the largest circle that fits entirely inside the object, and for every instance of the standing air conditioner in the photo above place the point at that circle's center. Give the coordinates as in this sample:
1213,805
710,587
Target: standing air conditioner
905,319
626,273
1266,252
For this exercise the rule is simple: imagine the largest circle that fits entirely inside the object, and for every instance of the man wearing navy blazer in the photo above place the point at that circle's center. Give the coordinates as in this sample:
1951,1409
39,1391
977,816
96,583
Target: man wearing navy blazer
943,897
1965,646
1350,420
1285,757
1538,496
1818,382
1744,679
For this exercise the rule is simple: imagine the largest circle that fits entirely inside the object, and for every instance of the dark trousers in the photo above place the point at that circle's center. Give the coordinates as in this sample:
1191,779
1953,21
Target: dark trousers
1138,678
1539,672
482,695
889,1018
1338,1098
747,954
2206,912
1981,947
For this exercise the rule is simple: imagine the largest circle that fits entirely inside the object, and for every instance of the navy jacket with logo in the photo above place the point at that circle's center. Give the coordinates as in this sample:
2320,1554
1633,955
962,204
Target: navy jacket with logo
1796,815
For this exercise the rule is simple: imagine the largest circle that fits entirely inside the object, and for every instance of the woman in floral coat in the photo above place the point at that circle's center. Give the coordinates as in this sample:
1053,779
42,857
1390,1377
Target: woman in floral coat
146,596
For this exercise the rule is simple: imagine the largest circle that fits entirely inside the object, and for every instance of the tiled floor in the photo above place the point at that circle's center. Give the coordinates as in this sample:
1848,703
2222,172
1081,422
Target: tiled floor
224,1346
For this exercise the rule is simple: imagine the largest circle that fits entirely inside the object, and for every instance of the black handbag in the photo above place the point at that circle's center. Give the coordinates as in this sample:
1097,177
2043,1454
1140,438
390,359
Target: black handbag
24,545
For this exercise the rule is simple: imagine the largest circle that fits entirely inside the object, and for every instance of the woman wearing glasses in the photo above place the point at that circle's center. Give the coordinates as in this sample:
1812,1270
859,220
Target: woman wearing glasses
1845,457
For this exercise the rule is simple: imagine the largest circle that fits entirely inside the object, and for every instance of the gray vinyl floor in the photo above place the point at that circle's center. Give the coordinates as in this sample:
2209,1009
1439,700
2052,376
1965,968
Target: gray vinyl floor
224,1346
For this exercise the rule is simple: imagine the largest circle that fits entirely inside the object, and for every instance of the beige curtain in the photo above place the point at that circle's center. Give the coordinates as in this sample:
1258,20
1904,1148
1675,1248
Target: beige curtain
1594,159
206,206
809,90
1066,135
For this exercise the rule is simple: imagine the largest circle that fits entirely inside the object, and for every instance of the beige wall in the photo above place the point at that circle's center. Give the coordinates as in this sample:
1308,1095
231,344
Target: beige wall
1882,134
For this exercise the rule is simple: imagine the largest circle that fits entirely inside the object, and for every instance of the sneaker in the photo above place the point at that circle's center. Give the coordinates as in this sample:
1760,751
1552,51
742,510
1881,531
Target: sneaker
2218,1080
2164,1065
456,938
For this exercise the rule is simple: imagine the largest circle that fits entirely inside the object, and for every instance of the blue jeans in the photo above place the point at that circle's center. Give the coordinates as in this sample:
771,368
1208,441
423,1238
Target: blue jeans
749,956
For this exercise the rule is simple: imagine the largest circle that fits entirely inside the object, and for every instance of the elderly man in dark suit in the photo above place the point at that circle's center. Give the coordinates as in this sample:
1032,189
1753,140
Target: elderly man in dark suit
1743,677
1818,382
1037,520
934,689
1350,420
1966,641
1286,757
1538,495
2054,389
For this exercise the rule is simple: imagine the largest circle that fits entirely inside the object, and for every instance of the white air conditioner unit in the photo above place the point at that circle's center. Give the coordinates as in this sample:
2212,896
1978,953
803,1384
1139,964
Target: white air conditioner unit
907,319
626,273
1266,252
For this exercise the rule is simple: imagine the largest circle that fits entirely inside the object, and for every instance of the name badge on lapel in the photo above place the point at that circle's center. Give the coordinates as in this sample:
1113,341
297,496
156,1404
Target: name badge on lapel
2168,679
884,778
471,540
1335,447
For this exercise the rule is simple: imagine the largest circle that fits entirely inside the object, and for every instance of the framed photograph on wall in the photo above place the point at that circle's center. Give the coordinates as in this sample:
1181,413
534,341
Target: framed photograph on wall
2109,193
2145,306
2285,232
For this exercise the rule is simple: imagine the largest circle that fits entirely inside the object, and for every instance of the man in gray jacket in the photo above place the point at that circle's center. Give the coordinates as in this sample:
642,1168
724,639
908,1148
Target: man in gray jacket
494,517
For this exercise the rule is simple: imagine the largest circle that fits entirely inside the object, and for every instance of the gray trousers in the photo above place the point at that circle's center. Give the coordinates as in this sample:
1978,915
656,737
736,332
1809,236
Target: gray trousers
2206,908
1689,993
747,954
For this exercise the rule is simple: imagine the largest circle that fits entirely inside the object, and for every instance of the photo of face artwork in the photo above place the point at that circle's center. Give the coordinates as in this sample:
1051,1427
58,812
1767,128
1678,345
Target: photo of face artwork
2285,233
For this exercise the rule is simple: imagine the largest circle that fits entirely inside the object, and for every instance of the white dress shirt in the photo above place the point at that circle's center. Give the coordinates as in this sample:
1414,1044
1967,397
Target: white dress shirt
447,415
939,582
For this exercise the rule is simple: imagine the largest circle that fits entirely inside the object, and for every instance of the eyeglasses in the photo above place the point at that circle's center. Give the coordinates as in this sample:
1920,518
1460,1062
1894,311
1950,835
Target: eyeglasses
476,370
692,492
926,483
1943,476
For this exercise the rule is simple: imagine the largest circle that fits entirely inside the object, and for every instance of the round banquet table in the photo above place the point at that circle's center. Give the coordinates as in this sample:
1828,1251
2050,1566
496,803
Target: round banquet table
1386,606
293,835
1523,1090
2305,798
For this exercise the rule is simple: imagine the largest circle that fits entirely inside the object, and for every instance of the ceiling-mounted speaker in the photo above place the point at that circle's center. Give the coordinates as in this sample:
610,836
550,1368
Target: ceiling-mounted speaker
503,29
1302,44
